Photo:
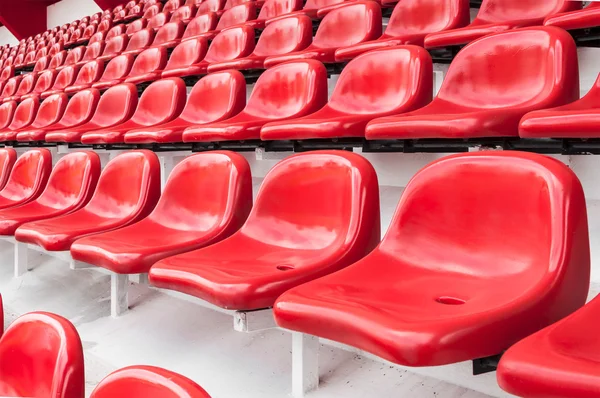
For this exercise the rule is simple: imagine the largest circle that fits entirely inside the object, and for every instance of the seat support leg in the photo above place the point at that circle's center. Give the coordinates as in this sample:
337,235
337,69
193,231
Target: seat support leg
305,364
20,259
253,321
140,279
118,294
74,264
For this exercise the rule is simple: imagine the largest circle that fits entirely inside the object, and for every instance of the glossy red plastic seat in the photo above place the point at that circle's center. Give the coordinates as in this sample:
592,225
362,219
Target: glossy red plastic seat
98,36
44,82
410,22
41,65
26,85
127,191
227,93
23,116
139,41
136,26
311,8
105,25
8,157
356,22
57,60
315,213
234,16
149,111
477,101
284,92
157,21
41,356
115,106
147,382
186,54
79,111
65,78
49,112
7,73
210,6
73,57
152,11
426,281
114,47
92,52
496,16
70,186
280,37
172,5
115,72
11,86
560,361
272,9
183,14
148,65
200,25
115,31
216,203
589,17
7,111
378,83
169,34
27,178
89,73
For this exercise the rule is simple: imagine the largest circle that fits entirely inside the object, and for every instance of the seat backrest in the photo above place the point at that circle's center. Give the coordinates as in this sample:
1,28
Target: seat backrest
27,83
136,26
116,45
72,181
45,81
172,5
81,108
57,60
66,77
543,61
210,6
40,65
495,11
237,15
93,51
28,59
117,68
40,53
187,53
233,3
274,8
146,382
116,105
134,10
10,88
285,35
150,112
289,90
158,20
183,14
398,77
152,11
105,24
149,60
201,24
231,43
42,356
413,17
98,36
76,35
8,156
455,202
193,2
318,200
317,4
89,32
7,72
115,31
141,39
7,110
132,180
28,176
75,55
227,93
168,32
90,72
50,111
350,24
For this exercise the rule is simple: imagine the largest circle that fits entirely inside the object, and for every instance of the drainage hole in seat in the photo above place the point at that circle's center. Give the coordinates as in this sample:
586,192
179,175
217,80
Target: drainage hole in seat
450,300
285,267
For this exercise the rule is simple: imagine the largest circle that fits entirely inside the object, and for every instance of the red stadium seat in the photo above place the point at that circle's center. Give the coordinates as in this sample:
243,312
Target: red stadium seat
310,9
8,157
49,112
210,6
315,214
280,37
41,65
288,91
186,54
92,52
149,112
98,36
148,65
227,93
131,179
26,85
57,60
7,111
147,382
11,86
169,35
55,49
157,21
88,33
75,37
105,24
41,356
70,186
216,182
114,47
65,78
44,82
425,282
152,11
115,72
233,3
204,24
7,73
500,15
589,17
410,22
73,57
559,361
477,101
79,110
139,41
356,22
378,83
23,116
115,31
115,107
89,73
234,16
27,179
172,5
272,9
183,14
136,26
